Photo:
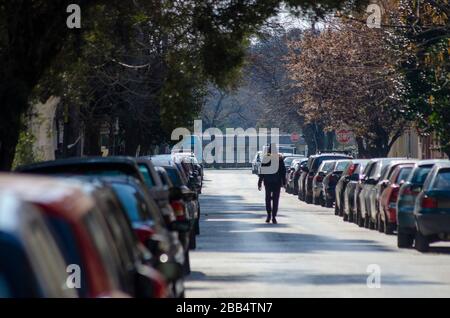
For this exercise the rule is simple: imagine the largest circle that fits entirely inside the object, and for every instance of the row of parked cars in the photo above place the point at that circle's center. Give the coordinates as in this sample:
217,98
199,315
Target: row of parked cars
406,197
99,227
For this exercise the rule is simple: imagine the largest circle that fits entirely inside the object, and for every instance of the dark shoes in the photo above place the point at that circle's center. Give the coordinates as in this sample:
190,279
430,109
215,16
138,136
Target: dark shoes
269,217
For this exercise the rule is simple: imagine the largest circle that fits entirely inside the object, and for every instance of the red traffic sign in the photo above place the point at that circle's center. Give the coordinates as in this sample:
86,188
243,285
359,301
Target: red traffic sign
295,137
344,136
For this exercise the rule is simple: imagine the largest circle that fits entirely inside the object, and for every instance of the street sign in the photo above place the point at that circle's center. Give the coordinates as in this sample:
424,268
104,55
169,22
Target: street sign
295,137
344,136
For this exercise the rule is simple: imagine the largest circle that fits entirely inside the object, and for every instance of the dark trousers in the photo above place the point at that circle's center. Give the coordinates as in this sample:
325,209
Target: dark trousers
272,198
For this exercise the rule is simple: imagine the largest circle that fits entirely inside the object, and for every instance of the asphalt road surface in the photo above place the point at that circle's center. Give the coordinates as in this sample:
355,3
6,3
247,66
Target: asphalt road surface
310,253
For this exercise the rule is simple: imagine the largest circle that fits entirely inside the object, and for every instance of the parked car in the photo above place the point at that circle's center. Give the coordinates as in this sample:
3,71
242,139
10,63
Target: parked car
190,198
256,162
374,207
160,193
80,233
368,191
323,170
31,263
353,178
135,259
150,228
294,175
330,181
314,163
181,213
387,219
341,186
432,208
406,223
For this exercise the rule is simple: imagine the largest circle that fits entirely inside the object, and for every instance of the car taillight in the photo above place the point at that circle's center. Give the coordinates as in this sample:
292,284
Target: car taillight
394,195
352,169
409,191
144,234
429,203
178,208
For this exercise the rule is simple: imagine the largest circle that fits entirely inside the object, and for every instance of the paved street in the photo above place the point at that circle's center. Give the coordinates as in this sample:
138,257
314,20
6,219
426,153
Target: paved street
311,253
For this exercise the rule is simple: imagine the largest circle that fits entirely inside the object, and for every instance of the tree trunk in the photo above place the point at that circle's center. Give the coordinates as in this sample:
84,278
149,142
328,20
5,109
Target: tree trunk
14,102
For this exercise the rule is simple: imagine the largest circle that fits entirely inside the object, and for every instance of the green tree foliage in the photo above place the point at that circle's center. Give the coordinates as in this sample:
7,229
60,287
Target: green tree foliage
425,36
37,50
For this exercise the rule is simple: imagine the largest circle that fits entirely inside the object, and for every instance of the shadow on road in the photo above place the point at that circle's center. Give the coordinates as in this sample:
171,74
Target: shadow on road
305,278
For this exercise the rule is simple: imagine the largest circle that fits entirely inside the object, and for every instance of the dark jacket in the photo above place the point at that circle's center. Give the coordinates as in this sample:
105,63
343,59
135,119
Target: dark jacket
277,179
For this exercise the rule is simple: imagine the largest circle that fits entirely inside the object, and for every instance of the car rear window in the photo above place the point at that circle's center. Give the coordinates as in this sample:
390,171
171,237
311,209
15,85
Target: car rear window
421,174
174,177
127,195
147,176
318,161
342,166
403,175
442,181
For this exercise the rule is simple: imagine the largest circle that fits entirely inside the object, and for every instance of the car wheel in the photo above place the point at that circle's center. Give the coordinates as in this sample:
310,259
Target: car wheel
389,228
422,243
308,199
380,225
366,222
372,224
187,264
345,217
404,240
193,241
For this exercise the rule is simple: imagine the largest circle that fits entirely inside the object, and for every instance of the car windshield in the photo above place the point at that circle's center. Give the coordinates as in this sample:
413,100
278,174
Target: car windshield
403,175
421,174
442,181
147,176
288,161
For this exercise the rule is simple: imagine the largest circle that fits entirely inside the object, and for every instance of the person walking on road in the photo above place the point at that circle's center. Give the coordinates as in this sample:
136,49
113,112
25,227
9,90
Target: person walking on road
273,181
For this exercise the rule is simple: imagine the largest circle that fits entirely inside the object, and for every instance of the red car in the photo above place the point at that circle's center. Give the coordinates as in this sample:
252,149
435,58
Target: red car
79,229
389,197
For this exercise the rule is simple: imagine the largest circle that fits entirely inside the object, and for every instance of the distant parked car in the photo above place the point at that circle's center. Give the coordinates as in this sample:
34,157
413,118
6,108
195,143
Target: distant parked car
323,170
190,198
367,191
352,178
374,208
314,163
432,208
330,181
31,263
150,229
406,223
256,162
294,175
387,220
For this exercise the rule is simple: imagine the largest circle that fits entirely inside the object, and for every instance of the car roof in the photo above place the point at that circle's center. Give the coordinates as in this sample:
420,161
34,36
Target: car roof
76,161
431,162
56,195
441,165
